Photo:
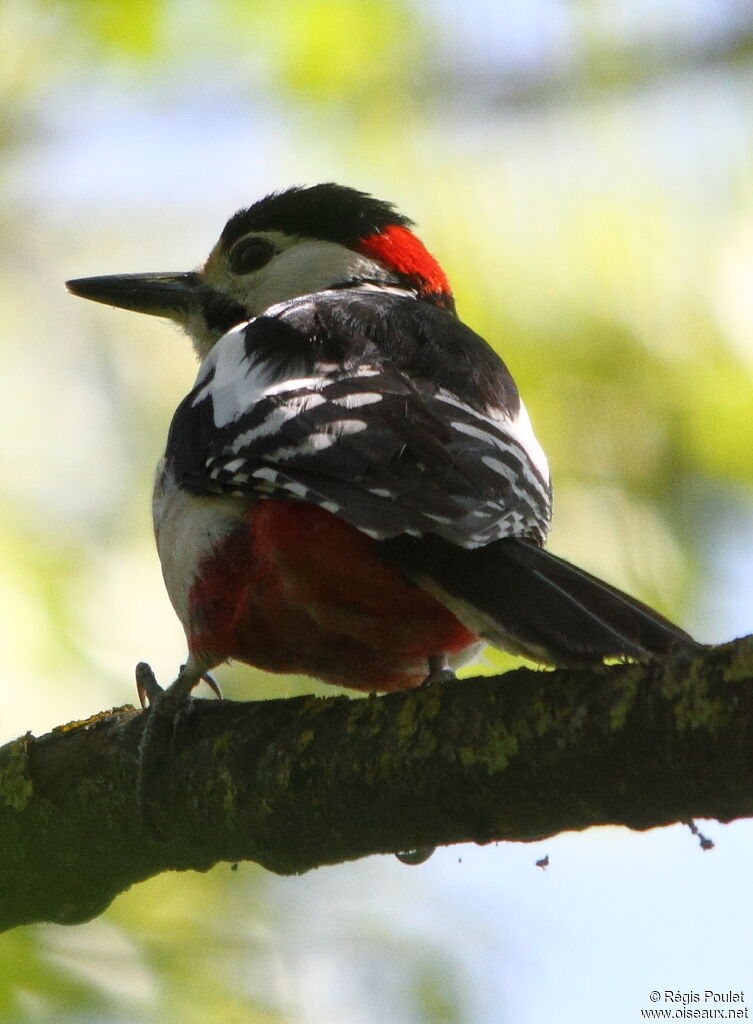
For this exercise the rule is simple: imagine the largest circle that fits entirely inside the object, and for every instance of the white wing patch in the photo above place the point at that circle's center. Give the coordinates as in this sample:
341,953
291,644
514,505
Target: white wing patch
238,382
517,427
499,467
387,453
279,415
355,401
296,383
521,429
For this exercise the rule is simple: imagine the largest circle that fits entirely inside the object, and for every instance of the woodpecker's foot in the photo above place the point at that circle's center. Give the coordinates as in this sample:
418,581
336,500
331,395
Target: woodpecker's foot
149,689
168,712
417,856
439,672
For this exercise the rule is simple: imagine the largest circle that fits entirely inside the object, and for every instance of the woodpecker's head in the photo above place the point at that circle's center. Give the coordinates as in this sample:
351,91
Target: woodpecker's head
290,243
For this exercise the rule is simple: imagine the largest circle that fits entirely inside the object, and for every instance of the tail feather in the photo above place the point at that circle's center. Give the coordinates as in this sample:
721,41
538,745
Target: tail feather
523,599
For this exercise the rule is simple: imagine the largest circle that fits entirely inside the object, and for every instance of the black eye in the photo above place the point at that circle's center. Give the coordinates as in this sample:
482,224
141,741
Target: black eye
250,254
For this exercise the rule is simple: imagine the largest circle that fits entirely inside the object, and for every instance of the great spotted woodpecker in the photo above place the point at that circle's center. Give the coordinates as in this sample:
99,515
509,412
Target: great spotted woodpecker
352,489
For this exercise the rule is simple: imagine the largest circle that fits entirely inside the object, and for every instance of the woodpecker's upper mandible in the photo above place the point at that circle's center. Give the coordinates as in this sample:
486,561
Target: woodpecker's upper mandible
352,489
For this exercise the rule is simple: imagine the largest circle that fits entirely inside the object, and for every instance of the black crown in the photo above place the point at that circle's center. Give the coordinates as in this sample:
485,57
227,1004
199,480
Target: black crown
330,212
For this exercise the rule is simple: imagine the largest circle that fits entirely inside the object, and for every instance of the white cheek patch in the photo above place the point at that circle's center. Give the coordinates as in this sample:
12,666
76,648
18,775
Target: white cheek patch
310,266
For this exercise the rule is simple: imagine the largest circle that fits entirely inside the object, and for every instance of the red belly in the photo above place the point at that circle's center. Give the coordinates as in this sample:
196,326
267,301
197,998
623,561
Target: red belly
298,590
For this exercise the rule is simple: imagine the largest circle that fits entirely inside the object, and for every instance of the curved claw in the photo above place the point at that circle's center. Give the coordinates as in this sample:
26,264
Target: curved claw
212,683
147,686
206,677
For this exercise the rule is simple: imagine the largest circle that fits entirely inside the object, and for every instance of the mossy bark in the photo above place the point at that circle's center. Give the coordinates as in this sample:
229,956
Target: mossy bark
294,784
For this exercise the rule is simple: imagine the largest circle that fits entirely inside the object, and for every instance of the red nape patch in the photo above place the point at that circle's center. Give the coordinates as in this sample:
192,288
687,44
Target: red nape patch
399,249
299,590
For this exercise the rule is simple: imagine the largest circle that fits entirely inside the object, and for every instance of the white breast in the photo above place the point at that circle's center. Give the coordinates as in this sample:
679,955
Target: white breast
187,528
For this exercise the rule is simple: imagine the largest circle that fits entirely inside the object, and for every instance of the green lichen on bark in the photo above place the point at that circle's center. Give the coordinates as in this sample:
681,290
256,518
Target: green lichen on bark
295,784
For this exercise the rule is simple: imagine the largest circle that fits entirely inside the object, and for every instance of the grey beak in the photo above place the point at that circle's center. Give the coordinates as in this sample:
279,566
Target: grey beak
171,295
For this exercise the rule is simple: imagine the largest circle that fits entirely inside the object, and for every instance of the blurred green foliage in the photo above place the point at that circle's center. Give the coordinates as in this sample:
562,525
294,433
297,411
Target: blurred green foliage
598,230
120,29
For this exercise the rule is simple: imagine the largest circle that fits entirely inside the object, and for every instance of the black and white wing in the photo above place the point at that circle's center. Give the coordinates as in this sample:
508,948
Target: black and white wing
358,404
403,422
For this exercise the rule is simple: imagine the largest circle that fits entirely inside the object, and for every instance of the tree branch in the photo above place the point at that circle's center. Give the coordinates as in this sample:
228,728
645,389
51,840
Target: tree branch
294,784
